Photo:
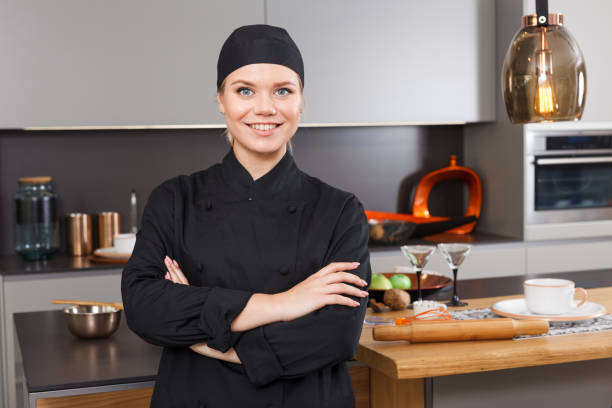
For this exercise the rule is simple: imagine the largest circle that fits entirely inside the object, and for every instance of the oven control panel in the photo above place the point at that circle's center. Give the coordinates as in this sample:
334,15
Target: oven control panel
591,142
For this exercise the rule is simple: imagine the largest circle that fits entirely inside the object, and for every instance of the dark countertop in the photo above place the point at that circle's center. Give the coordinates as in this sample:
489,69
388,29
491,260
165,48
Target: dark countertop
15,265
11,265
54,359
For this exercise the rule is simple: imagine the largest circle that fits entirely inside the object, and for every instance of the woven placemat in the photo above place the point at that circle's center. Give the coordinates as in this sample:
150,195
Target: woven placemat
556,328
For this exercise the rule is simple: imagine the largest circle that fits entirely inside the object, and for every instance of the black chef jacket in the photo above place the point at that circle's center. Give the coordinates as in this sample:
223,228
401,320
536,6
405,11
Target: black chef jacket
233,237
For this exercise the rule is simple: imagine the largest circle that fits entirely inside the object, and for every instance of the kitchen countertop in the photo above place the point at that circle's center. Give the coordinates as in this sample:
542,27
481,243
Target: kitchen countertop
15,265
54,359
11,265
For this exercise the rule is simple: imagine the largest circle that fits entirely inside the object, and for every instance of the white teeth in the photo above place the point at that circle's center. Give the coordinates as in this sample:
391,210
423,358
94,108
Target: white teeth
266,126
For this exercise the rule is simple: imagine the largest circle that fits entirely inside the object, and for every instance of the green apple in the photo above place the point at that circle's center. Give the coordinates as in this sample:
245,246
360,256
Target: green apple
400,281
380,282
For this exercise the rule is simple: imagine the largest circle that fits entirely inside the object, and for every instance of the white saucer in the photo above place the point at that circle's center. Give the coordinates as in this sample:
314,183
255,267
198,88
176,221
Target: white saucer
517,309
111,252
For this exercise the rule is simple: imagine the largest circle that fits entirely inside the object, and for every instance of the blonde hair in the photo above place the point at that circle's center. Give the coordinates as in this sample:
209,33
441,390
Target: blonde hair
228,135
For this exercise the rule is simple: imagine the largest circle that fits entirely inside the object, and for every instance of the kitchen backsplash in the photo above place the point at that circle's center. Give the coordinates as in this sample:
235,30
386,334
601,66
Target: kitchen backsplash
94,171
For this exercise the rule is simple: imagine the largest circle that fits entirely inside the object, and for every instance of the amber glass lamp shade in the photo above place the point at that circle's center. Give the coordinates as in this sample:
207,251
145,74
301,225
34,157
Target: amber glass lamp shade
544,75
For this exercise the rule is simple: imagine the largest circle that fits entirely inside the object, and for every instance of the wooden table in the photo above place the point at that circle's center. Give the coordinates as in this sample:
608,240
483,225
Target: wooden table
398,369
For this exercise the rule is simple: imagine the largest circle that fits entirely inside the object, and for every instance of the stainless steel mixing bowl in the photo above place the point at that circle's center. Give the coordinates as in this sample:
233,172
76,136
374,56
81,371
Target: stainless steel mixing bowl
91,322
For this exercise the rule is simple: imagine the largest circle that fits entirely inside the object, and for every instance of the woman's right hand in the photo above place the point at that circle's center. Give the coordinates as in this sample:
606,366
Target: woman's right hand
328,286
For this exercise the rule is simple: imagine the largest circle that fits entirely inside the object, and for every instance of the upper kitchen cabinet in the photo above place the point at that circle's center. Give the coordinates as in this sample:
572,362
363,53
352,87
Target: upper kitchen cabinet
114,63
393,61
589,22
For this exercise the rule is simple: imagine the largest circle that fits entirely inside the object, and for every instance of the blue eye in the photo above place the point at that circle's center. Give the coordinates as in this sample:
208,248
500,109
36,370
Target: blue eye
244,91
283,91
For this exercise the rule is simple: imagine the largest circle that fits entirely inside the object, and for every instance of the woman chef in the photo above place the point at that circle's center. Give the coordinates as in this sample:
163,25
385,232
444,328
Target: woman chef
268,302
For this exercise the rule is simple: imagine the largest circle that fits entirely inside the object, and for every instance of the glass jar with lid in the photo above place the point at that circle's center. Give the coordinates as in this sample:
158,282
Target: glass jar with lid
36,223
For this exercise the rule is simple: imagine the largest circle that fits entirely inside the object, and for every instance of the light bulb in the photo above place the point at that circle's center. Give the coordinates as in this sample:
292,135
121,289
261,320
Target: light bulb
545,97
545,103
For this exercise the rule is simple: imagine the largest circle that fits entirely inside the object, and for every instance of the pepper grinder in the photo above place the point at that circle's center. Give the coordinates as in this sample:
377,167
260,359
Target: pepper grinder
109,225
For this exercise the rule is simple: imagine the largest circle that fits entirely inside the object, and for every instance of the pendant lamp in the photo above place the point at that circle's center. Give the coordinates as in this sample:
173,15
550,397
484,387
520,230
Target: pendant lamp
544,76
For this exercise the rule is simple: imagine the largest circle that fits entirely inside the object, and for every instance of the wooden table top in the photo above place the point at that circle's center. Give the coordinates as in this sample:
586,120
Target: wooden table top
402,360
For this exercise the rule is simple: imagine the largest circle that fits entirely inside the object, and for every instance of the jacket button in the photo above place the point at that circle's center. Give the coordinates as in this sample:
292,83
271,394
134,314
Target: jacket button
292,209
209,206
284,270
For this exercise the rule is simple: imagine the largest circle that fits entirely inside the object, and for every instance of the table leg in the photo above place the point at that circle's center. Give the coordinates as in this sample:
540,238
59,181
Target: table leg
387,392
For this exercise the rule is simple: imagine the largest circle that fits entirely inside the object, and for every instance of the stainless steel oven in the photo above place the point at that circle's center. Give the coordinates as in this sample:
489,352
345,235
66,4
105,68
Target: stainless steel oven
568,181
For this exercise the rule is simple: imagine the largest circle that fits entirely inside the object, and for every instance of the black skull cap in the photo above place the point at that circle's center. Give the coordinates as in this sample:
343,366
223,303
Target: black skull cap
256,44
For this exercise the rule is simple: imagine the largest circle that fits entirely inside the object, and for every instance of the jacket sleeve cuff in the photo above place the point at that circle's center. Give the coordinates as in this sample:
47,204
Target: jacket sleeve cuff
257,357
220,309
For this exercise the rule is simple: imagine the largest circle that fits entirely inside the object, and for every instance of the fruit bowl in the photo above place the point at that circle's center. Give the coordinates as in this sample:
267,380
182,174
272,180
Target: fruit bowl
430,283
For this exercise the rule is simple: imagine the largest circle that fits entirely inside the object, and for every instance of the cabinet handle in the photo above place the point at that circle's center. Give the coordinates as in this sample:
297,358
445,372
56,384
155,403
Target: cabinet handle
573,160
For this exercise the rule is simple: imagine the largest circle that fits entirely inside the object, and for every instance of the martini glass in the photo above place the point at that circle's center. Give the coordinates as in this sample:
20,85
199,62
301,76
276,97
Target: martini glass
418,255
454,255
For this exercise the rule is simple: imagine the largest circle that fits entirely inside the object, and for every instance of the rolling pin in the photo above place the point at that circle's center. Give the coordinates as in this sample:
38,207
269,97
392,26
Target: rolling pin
116,305
460,330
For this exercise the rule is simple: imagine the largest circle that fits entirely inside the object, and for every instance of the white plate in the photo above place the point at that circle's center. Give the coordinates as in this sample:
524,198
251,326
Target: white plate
110,253
517,309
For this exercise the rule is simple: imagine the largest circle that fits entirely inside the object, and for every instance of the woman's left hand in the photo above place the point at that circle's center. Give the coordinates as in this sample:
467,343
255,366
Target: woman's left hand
203,349
176,275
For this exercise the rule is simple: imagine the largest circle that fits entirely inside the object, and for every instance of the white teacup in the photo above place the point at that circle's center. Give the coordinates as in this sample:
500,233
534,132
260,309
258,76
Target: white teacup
551,296
124,243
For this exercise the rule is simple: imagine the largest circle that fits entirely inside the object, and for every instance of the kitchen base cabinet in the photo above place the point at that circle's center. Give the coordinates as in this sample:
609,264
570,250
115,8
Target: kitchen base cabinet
511,259
580,384
33,292
563,256
484,261
137,398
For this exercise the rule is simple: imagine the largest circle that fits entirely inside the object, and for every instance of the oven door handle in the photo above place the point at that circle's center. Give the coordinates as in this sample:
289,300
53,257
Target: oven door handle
572,160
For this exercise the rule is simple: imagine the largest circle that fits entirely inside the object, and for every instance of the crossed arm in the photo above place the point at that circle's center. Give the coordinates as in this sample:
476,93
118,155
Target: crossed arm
326,287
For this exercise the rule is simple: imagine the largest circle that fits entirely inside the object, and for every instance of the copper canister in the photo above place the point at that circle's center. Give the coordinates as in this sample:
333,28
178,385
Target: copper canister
109,225
79,237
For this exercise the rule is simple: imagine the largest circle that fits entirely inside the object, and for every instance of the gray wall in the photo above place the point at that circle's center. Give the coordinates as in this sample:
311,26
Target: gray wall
495,149
94,171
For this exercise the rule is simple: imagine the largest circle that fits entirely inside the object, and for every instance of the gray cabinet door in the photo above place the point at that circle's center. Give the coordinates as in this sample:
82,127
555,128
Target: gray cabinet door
114,63
393,61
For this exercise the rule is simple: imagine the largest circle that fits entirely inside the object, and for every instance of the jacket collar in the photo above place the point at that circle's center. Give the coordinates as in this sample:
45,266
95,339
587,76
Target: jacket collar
235,176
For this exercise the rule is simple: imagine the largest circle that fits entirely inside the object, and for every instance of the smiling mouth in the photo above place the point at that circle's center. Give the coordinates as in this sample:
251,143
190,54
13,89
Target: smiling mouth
263,126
